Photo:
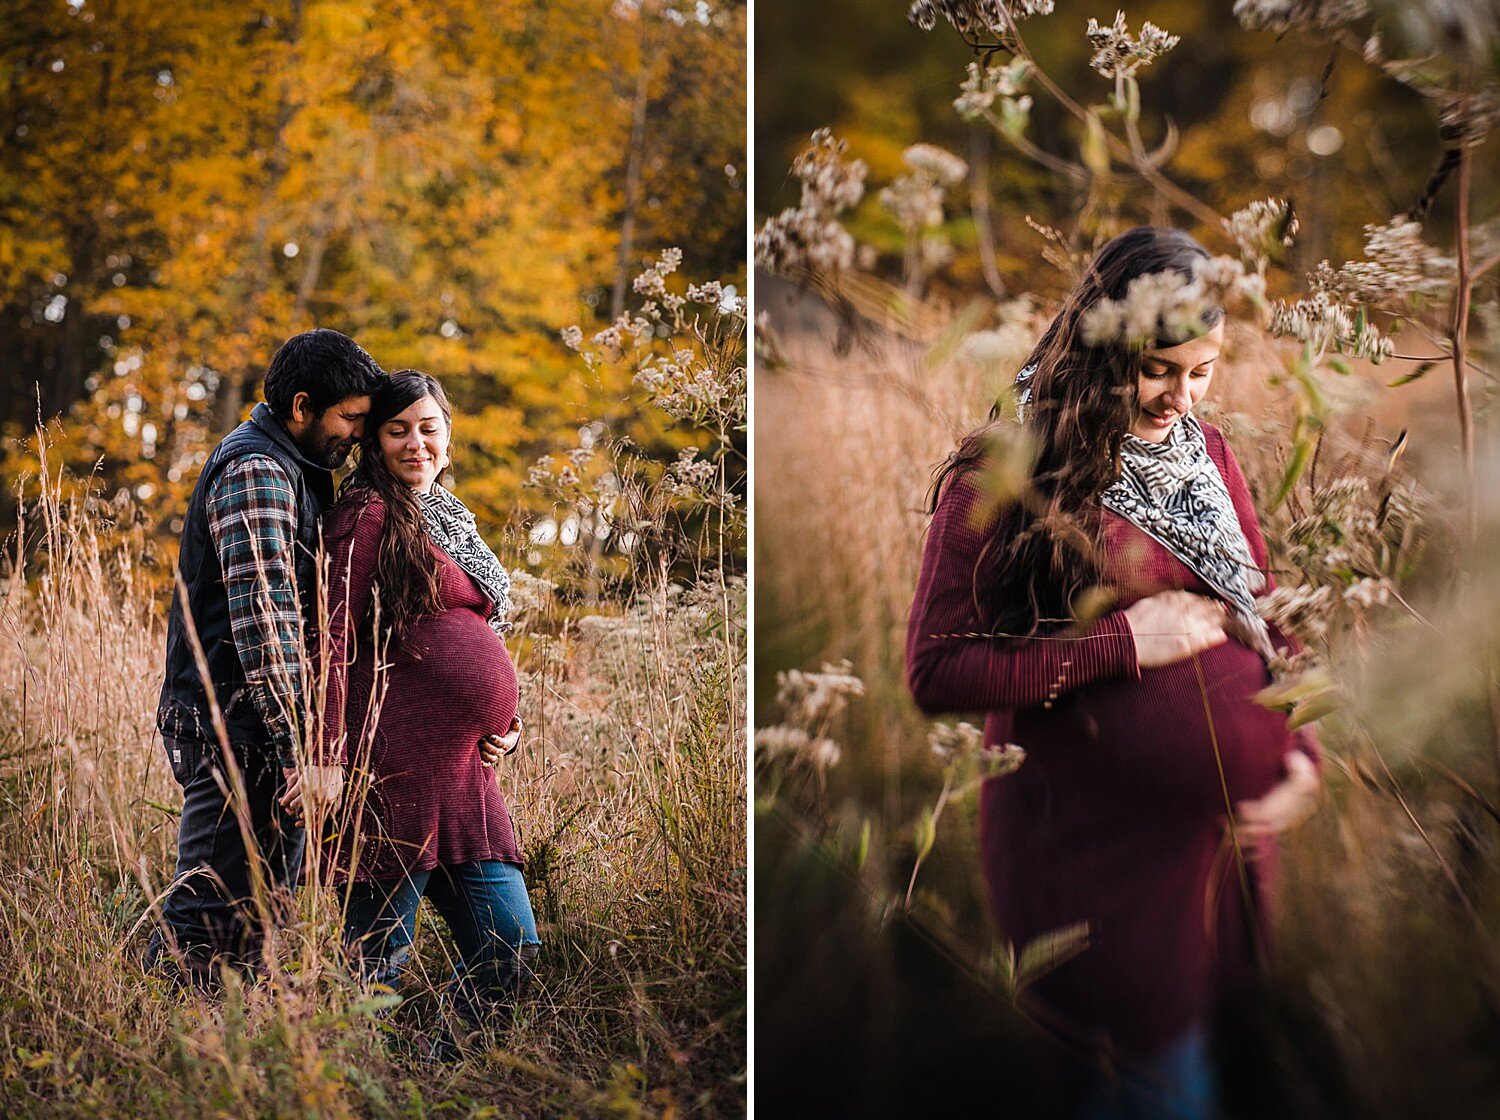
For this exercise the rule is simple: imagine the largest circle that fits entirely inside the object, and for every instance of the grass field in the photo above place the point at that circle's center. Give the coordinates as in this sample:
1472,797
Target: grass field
629,801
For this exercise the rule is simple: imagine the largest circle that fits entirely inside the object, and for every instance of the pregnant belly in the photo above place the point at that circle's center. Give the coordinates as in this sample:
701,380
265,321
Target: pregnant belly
463,687
1183,735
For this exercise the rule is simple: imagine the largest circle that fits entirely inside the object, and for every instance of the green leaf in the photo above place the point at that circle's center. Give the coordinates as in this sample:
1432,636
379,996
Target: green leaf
1095,151
1339,365
862,851
375,1004
1301,456
1415,375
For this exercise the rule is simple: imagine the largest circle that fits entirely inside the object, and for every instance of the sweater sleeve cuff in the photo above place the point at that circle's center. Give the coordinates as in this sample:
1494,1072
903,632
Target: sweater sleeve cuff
1109,648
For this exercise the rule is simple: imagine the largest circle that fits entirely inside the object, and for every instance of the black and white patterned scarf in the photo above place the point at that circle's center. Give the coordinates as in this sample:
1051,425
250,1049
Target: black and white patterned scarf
454,530
1172,491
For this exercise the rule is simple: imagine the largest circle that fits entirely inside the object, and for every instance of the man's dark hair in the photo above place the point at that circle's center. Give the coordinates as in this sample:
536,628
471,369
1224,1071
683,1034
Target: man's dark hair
325,365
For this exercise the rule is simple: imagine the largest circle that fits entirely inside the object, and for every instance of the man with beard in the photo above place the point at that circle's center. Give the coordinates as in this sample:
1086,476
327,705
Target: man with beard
248,566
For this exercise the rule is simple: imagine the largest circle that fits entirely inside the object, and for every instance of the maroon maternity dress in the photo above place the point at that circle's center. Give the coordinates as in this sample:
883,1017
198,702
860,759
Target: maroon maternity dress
430,798
1117,818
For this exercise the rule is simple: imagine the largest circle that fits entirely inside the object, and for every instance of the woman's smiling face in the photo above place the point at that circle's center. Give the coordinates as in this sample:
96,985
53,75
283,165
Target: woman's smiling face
414,444
1171,381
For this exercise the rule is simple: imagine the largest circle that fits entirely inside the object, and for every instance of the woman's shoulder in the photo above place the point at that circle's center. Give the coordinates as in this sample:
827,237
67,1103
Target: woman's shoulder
1211,434
974,500
359,511
1216,445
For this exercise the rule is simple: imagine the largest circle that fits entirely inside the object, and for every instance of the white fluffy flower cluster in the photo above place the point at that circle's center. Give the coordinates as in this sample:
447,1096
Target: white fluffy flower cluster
1367,594
973,17
1398,264
794,744
691,477
987,84
999,347
916,200
1261,227
950,742
1283,15
810,698
808,237
653,282
684,385
1325,323
1118,54
1162,305
1301,610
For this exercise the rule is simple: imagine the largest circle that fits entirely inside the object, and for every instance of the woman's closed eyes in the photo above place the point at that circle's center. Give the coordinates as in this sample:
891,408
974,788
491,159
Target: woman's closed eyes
1156,373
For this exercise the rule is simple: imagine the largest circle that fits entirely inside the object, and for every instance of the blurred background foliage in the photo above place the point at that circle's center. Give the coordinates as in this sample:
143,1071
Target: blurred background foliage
1259,114
182,186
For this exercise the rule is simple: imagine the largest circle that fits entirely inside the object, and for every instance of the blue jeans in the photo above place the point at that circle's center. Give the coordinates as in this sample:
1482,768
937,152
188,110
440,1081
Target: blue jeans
1180,1083
485,905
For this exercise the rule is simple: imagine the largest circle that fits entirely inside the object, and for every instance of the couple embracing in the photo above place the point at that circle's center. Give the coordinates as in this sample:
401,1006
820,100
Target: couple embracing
418,694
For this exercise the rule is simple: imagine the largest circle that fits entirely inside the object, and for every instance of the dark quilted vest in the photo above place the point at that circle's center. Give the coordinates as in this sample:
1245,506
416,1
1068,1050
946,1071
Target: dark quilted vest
183,712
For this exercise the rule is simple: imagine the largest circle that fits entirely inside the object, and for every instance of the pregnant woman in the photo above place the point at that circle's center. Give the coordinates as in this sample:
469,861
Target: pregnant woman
1154,784
421,705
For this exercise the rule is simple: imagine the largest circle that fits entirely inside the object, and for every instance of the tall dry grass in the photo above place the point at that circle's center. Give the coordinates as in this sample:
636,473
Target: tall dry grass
1384,998
628,799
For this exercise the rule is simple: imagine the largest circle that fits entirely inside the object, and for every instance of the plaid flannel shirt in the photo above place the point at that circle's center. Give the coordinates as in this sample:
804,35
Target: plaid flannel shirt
252,519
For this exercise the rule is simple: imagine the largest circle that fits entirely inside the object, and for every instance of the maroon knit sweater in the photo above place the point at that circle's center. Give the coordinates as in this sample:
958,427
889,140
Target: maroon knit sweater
1117,818
430,800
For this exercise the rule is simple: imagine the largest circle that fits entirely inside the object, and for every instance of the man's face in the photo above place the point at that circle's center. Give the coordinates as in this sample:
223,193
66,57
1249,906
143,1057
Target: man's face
328,439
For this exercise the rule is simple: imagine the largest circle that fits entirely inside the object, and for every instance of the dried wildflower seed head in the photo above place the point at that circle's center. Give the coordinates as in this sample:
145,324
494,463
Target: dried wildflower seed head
1398,264
987,84
1282,15
1262,228
1117,54
830,184
951,742
1367,594
810,698
974,17
1005,760
1324,323
1169,305
808,237
916,200
936,164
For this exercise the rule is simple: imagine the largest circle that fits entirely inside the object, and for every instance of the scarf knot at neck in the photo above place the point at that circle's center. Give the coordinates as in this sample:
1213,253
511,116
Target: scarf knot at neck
1172,492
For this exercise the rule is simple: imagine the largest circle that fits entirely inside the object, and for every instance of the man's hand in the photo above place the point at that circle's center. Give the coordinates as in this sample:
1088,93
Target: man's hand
318,786
1288,803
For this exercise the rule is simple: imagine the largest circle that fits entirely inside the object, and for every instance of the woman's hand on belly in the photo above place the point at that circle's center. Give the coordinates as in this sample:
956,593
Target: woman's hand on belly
1171,626
1286,805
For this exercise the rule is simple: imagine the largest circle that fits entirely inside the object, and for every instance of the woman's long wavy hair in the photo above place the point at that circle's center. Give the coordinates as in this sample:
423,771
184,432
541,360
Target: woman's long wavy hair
1041,555
407,578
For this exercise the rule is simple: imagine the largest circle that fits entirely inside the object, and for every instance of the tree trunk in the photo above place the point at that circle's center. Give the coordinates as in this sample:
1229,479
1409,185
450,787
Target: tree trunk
65,385
634,158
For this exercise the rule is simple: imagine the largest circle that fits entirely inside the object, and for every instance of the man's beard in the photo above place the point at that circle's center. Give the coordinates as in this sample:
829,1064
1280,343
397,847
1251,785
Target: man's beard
331,453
